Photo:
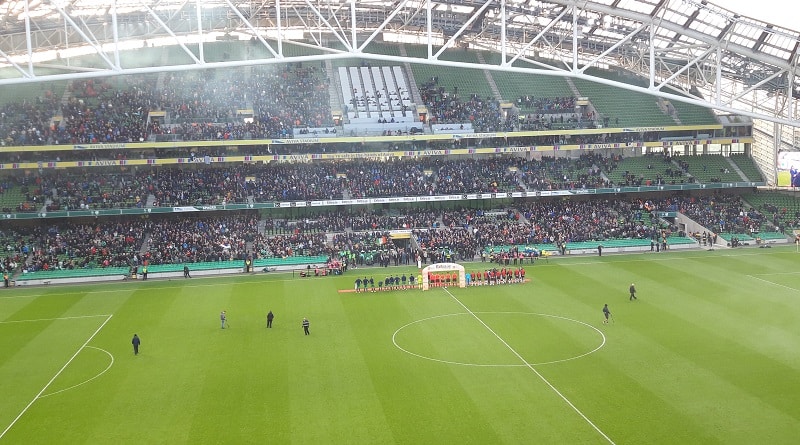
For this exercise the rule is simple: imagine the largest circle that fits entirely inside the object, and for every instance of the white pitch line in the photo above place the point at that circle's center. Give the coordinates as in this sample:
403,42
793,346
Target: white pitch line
774,273
110,364
24,410
489,365
13,297
54,319
131,288
773,283
538,374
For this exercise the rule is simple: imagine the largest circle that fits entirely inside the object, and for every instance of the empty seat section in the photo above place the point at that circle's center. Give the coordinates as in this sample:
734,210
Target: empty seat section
369,92
347,92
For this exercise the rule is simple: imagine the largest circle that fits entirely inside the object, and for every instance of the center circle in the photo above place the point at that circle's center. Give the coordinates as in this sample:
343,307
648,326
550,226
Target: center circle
498,339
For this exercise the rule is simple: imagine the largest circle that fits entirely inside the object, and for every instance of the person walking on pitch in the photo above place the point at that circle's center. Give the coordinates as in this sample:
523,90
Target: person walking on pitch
606,314
632,290
136,342
305,325
270,317
223,317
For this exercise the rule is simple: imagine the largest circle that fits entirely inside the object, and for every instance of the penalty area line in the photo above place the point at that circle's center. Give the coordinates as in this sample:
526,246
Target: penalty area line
39,394
538,374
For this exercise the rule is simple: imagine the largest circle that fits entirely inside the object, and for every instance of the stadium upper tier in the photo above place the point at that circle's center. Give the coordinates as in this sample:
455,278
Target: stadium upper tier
689,51
314,99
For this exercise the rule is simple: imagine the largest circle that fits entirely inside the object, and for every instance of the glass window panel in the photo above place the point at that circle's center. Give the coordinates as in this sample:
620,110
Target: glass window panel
741,40
675,17
639,6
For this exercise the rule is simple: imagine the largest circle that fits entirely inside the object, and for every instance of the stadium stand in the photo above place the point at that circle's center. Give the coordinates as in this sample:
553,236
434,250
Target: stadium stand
645,170
629,109
781,208
224,241
709,168
747,166
692,114
289,100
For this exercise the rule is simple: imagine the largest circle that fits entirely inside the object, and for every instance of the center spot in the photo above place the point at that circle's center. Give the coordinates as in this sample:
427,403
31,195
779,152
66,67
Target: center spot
511,339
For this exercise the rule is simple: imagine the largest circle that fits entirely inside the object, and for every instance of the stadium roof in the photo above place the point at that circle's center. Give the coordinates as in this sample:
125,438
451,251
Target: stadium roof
689,50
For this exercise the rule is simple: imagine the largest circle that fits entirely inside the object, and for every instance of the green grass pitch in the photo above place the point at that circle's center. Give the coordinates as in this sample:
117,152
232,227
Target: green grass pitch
708,355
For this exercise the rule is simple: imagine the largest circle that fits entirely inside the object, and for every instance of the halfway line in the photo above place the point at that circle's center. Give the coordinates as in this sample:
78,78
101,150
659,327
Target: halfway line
54,378
563,397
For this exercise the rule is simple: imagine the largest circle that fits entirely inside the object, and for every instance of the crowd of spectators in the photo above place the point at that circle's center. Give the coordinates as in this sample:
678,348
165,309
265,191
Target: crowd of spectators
201,238
28,122
259,102
16,247
551,173
660,169
365,248
330,221
448,107
295,182
363,237
546,105
195,153
340,220
575,221
198,186
256,103
405,219
242,103
539,122
222,184
65,246
212,105
95,112
724,213
201,97
27,193
490,175
446,245
503,229
780,216
90,189
543,113
81,189
365,179
298,243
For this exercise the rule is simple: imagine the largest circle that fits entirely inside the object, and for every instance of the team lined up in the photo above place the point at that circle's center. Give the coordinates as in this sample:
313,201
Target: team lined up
488,277
494,276
396,282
